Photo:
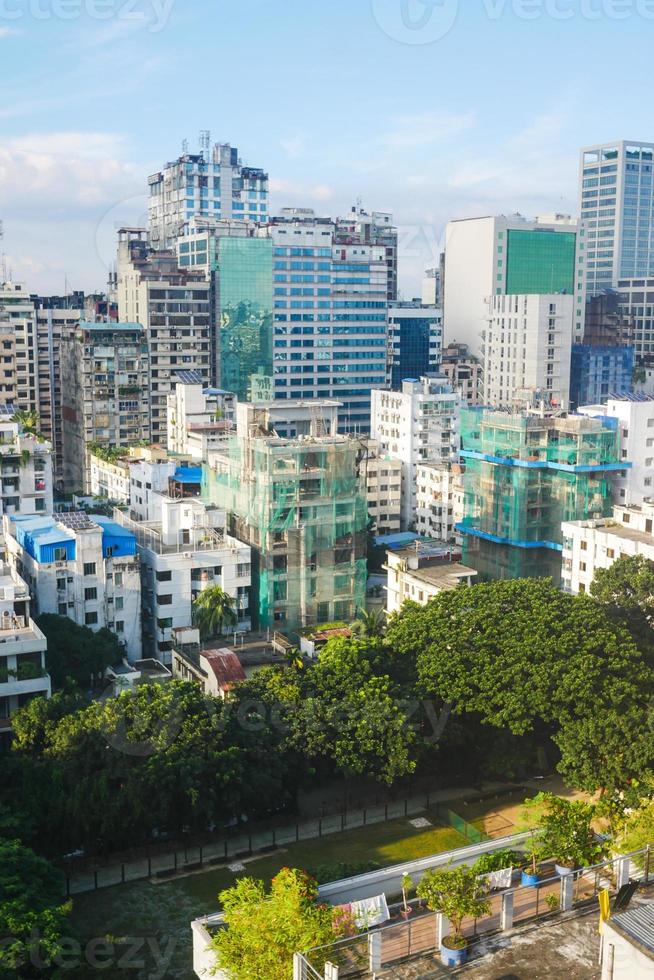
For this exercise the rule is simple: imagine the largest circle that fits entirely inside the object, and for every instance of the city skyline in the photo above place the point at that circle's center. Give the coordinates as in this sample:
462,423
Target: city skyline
427,142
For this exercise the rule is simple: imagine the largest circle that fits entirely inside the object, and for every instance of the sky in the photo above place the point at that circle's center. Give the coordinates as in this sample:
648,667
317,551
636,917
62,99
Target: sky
430,109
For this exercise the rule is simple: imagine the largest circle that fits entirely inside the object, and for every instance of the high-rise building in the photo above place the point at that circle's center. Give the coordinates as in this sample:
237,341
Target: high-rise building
212,184
418,424
105,385
615,205
174,306
360,228
237,259
497,256
26,485
199,418
18,342
415,340
526,348
432,288
330,314
300,503
526,473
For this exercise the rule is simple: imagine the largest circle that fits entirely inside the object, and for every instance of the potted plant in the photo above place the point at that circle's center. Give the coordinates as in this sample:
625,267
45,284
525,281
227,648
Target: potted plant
530,819
407,886
568,835
458,894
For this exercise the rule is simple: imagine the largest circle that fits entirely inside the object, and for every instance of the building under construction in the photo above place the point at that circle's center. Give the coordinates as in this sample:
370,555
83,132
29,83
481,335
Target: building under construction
525,474
292,490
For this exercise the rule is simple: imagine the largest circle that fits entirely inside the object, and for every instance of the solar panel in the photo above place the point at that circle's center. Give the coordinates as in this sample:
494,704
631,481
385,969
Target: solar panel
76,521
189,377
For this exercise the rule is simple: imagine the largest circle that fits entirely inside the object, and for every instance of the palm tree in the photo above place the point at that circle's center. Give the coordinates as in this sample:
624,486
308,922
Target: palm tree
212,609
370,623
28,421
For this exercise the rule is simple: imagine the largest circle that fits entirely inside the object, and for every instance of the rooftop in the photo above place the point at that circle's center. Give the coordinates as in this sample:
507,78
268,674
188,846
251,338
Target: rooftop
225,665
444,576
637,924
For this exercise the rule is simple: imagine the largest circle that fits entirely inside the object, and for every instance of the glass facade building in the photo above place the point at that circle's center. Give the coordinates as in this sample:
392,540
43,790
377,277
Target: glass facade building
617,209
598,372
415,340
540,262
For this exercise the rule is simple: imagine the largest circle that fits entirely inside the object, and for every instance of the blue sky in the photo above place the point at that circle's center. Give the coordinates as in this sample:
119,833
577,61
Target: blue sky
338,100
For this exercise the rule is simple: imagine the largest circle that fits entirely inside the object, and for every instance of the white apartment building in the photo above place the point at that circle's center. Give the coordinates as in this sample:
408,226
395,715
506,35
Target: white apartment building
421,571
590,545
80,566
174,306
420,423
439,500
199,418
23,673
211,184
493,256
527,348
634,416
155,477
463,372
26,482
109,479
183,552
383,478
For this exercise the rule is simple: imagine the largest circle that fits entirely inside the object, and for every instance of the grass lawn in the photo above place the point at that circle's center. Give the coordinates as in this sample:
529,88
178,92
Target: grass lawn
165,910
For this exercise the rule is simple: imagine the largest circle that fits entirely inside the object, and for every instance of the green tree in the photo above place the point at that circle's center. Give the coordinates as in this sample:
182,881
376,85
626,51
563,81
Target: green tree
264,930
524,657
627,589
459,894
607,751
33,914
567,832
370,623
212,610
638,829
75,653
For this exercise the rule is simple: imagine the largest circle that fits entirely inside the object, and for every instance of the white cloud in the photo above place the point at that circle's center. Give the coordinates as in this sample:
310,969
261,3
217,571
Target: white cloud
425,129
8,32
301,195
294,146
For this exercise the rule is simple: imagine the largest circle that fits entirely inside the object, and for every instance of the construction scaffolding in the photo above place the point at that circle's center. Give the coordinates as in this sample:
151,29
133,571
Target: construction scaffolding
526,474
301,505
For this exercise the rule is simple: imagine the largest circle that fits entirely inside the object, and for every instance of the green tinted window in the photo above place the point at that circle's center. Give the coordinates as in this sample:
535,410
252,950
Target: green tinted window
540,262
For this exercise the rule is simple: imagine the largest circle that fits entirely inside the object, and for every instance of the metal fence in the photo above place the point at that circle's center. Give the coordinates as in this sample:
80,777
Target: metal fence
386,947
226,850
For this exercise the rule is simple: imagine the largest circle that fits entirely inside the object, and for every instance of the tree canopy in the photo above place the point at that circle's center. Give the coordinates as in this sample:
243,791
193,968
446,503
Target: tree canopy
626,588
75,653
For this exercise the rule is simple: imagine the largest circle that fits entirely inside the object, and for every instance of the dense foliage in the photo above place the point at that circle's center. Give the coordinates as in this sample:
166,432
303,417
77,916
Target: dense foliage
495,680
265,930
33,915
75,653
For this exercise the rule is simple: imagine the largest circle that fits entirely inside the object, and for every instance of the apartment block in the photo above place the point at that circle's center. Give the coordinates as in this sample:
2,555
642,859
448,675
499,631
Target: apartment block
83,567
439,492
174,306
498,256
525,474
23,673
591,545
463,372
383,479
422,571
105,380
633,418
26,479
213,183
527,348
418,424
182,552
199,418
300,502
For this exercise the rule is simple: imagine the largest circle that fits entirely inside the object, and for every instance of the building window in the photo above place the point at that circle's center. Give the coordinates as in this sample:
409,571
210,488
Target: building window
120,626
584,546
89,568
165,600
164,576
60,554
90,594
91,618
118,578
118,605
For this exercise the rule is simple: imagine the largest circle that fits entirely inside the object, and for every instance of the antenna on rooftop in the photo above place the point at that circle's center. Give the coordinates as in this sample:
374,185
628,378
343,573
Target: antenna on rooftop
205,143
184,147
